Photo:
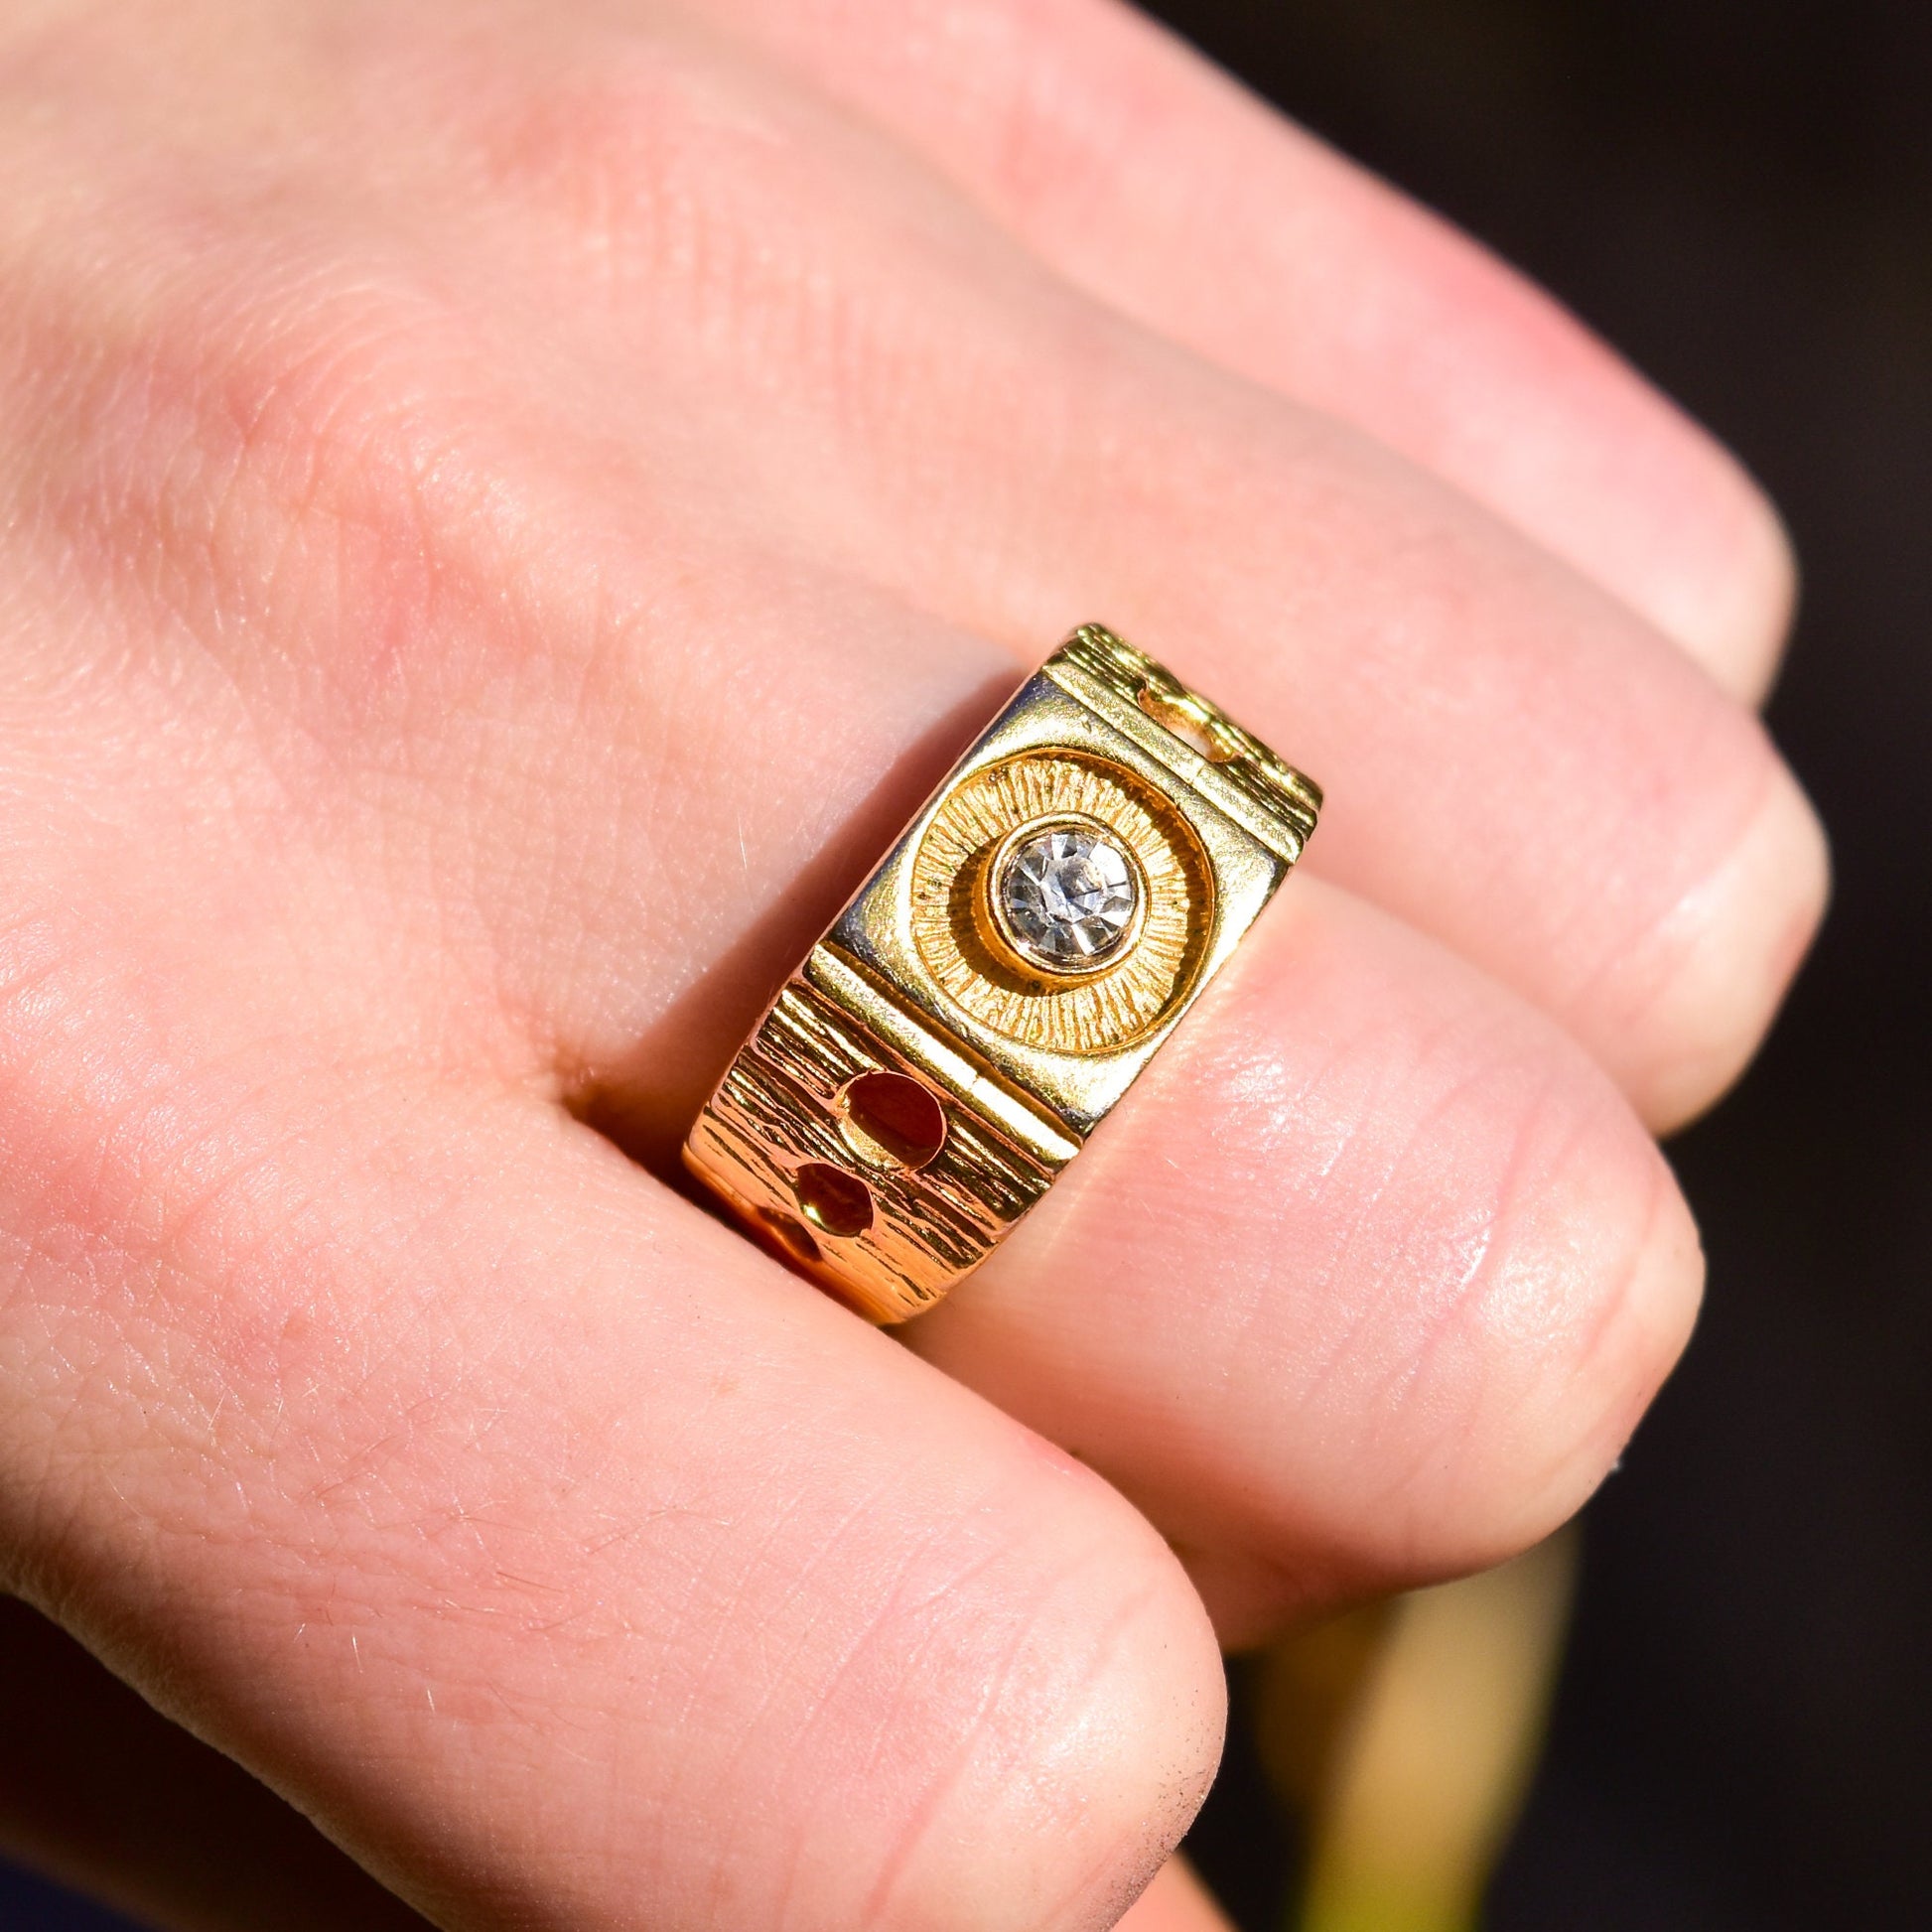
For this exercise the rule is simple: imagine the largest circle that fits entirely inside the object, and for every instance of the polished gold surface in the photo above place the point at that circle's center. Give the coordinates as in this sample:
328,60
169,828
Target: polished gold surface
814,1136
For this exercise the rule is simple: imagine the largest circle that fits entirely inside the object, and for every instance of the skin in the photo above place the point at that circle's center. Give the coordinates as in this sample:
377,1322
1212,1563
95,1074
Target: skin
475,481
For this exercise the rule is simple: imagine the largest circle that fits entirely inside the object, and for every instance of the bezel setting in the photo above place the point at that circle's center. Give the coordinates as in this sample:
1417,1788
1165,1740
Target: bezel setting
999,917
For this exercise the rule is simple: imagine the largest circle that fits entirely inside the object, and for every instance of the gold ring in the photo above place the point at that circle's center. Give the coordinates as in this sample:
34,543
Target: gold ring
996,985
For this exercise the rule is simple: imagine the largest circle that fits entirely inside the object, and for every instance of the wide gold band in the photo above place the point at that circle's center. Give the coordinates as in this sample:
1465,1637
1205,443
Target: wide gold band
932,1065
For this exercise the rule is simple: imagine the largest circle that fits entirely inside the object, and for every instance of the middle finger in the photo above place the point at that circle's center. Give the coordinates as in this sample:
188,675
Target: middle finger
1518,765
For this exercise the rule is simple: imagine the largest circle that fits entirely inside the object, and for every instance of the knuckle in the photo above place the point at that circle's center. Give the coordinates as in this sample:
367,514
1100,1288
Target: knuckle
653,169
1447,1268
1055,1698
1088,93
1585,1280
1525,1253
320,411
610,148
287,478
1697,986
726,225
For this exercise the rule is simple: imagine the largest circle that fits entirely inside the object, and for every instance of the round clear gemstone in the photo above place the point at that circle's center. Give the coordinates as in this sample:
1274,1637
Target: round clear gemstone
1069,896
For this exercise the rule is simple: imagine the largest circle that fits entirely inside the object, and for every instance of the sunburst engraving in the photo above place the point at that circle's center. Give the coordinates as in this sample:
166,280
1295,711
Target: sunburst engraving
976,963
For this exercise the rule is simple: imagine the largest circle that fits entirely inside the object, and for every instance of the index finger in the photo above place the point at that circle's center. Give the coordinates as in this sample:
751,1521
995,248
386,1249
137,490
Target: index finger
546,1544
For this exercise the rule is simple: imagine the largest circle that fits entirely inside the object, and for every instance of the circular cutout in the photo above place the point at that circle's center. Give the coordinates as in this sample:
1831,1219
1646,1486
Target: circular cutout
838,1203
892,1120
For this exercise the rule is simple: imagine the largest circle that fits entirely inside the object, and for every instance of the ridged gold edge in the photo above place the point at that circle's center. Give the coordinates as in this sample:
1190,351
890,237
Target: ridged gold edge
1286,832
1110,647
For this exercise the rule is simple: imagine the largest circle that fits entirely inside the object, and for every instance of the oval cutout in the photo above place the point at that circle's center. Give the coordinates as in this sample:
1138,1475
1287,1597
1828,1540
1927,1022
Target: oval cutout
832,1199
1191,723
892,1120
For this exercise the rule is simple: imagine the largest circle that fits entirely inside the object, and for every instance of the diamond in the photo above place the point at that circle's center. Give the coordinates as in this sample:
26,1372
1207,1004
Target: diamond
1067,896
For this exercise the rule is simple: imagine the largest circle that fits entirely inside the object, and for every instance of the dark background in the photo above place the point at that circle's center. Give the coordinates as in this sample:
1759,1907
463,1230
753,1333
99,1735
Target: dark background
1741,197
30,1905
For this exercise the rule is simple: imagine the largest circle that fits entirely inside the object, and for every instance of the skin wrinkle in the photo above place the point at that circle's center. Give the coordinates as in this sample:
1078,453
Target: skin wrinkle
982,579
854,1654
1655,943
1149,1840
726,1779
678,1721
164,1234
798,1574
1572,1153
1344,1356
863,1647
1679,939
1615,1314
1450,1307
1453,1437
468,546
948,1774
1366,1301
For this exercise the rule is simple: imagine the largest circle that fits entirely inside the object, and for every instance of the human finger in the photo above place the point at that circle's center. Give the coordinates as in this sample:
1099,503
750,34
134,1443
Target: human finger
1366,1280
540,1540
1176,1901
1150,177
1523,767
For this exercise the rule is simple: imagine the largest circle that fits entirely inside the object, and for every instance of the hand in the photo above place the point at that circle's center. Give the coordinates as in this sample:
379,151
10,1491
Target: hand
504,511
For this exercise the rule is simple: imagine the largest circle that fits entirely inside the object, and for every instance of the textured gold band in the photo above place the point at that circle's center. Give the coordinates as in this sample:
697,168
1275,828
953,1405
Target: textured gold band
999,981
